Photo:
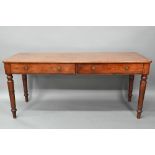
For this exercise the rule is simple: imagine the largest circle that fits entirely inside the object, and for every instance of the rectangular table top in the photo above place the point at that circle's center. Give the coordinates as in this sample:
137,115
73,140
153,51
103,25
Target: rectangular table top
80,57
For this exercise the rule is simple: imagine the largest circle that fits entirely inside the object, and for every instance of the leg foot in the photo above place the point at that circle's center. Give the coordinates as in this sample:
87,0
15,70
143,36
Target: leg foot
139,114
13,113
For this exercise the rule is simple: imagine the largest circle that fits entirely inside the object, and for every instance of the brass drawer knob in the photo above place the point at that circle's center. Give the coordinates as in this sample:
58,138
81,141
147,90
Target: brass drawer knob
58,68
126,68
26,68
93,68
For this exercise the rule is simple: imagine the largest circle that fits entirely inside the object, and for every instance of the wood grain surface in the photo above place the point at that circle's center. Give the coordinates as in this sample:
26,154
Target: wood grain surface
85,57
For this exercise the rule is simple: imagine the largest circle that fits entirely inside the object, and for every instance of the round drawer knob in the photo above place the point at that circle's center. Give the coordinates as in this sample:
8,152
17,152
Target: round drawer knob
58,68
126,68
93,68
26,68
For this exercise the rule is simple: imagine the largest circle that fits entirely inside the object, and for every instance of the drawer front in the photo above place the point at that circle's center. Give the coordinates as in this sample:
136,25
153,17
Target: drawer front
109,68
43,68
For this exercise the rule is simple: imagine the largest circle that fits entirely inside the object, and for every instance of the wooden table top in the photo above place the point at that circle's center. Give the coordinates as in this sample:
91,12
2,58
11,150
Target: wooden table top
80,57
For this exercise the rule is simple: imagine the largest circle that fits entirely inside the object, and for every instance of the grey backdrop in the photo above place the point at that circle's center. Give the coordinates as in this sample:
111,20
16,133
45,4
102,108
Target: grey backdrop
74,39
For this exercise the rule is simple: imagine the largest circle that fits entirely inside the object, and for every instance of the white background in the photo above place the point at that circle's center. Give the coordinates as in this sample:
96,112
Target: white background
111,12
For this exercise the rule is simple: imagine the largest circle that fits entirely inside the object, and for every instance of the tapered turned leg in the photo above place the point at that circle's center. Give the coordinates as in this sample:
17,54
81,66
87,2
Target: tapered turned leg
142,88
12,94
24,79
130,89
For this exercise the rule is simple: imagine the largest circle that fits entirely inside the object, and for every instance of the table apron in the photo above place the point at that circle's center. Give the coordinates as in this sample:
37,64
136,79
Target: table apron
76,68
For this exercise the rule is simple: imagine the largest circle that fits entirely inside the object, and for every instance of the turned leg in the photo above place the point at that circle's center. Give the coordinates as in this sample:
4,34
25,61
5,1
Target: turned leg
130,89
24,79
142,88
12,94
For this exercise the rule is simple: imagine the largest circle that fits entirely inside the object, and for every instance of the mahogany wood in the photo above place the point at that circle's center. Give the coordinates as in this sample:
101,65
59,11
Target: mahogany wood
12,94
79,57
43,68
128,63
130,89
24,79
142,88
110,68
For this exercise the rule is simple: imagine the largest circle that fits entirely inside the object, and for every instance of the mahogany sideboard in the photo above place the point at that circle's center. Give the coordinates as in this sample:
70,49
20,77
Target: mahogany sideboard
88,63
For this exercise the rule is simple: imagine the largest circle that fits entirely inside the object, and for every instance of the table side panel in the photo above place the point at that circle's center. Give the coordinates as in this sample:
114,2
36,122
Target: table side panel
7,68
146,68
